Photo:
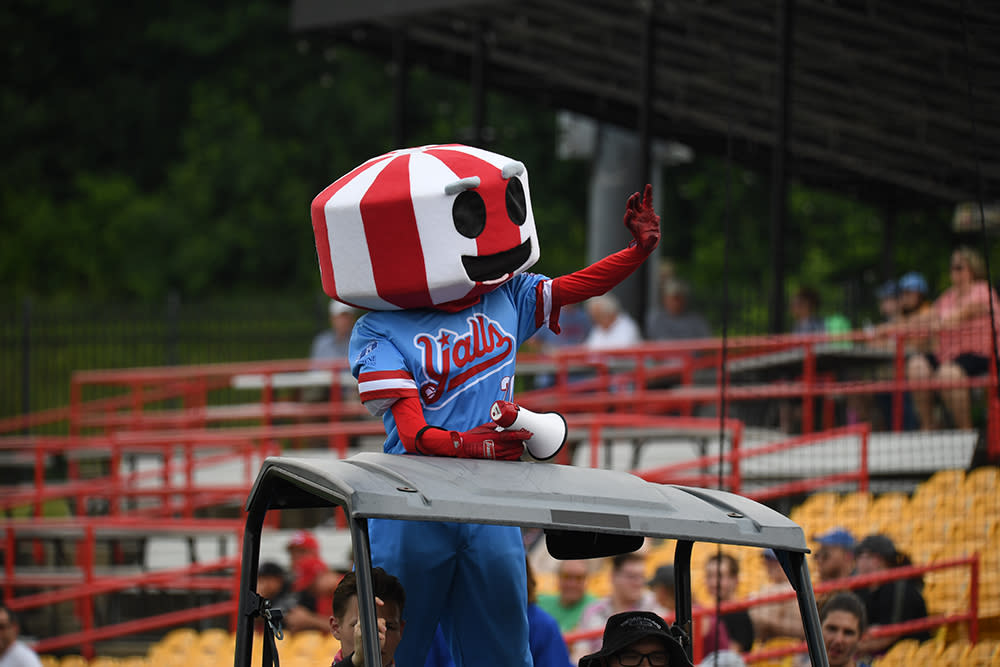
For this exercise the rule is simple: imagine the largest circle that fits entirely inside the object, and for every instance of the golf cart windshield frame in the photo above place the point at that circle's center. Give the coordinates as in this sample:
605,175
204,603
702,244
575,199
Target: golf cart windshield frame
584,512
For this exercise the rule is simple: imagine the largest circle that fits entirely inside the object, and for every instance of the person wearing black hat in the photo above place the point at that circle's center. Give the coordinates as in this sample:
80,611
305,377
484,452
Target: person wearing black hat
891,601
636,639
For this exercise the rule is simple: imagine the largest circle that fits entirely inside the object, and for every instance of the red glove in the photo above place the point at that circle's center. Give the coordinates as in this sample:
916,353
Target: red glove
482,442
641,219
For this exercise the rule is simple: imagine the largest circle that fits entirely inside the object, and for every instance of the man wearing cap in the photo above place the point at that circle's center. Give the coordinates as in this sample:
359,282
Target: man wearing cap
892,601
334,343
634,639
835,555
913,294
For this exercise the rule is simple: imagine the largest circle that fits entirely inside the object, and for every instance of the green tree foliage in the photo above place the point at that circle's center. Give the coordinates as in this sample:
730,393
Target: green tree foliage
174,147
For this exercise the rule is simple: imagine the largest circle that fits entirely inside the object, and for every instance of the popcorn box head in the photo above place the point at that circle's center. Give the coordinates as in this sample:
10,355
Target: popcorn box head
422,227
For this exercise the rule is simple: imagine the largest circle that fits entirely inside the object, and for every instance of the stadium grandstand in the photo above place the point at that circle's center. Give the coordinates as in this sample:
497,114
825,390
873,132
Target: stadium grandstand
121,535
123,500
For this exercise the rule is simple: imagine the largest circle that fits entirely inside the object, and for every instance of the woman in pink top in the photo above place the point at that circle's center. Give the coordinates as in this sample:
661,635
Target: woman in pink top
960,319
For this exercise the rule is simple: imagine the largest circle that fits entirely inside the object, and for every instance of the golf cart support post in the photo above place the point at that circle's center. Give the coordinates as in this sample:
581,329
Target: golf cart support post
585,513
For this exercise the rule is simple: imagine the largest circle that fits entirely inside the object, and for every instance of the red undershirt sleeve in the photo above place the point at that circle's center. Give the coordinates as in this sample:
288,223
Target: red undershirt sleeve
588,282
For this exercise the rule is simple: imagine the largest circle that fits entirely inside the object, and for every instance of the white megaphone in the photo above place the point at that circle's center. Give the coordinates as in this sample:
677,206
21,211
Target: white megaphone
548,428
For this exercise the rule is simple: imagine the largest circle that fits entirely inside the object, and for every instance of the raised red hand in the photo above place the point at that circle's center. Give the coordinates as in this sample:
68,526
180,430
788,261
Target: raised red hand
641,219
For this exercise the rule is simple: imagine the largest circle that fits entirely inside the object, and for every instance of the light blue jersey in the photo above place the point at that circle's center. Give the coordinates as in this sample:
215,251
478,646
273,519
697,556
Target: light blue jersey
469,578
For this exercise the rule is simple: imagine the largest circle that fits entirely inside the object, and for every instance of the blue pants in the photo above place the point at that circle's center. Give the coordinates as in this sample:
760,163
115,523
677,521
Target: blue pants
469,577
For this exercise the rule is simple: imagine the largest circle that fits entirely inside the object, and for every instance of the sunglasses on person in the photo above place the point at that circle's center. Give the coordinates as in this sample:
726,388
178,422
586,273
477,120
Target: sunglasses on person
634,658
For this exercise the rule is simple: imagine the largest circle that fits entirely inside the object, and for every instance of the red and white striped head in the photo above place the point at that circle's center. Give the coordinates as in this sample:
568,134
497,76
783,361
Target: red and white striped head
422,227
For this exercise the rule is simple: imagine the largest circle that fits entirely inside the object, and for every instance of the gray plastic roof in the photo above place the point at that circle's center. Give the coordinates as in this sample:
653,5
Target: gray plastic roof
526,494
900,94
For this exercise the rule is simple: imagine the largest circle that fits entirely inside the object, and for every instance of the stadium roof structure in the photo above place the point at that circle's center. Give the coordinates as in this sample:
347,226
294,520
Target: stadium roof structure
879,100
584,512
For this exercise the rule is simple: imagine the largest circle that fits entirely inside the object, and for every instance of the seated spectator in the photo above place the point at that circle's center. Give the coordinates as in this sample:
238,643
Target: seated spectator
960,320
712,634
834,557
674,321
724,658
628,593
13,651
273,584
913,294
332,343
612,328
843,622
567,605
345,623
892,601
889,306
635,638
548,648
313,592
780,618
575,326
722,578
805,312
663,587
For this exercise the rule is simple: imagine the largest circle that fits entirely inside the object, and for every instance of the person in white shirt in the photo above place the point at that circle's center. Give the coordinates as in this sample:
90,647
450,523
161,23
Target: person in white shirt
14,652
612,328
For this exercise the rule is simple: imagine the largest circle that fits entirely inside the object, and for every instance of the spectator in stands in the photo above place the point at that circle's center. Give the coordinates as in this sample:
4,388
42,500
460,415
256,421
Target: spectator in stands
636,638
13,651
628,593
913,294
575,326
345,624
724,658
300,546
889,306
332,343
843,621
713,635
780,618
548,648
612,328
722,578
674,321
960,319
888,602
805,312
273,584
662,585
314,590
567,605
835,555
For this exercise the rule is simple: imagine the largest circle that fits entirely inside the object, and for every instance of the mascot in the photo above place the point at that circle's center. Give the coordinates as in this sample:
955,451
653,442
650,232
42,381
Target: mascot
435,243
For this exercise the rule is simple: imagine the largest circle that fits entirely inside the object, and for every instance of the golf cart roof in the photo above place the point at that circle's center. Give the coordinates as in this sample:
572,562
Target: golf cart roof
526,494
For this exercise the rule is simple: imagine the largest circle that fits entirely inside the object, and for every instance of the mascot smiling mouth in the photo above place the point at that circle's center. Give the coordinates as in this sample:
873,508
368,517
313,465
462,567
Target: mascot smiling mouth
498,266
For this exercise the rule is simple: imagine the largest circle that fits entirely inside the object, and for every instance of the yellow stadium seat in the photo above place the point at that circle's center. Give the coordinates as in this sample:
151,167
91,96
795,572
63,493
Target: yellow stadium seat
49,660
72,661
134,661
982,480
927,653
902,651
979,654
953,653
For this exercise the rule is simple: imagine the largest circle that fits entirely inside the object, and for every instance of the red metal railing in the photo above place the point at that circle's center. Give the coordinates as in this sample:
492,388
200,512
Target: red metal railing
82,583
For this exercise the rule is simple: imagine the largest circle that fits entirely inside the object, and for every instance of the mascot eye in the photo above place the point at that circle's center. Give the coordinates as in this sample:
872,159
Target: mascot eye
517,209
469,214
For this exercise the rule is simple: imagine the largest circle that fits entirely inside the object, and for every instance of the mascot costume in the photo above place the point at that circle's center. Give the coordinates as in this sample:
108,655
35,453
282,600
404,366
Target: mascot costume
435,243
